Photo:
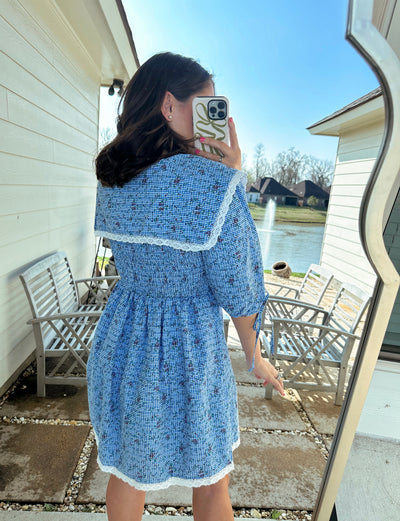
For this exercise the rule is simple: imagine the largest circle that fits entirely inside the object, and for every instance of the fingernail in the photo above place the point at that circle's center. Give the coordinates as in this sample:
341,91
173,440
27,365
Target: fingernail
231,120
202,139
197,151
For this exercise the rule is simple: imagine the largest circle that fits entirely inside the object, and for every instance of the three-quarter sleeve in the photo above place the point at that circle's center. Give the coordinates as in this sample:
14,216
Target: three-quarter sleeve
234,267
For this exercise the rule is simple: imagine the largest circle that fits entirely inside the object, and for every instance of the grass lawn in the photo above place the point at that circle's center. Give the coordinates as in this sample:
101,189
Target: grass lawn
293,214
293,274
103,261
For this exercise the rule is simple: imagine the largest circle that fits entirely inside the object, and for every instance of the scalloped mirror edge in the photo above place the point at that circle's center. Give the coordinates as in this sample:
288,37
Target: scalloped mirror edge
378,200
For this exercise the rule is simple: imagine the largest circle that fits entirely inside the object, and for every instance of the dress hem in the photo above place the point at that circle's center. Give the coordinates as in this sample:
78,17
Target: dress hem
171,481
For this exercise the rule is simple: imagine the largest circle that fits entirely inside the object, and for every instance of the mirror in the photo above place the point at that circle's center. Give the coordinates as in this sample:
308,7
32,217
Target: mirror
303,440
372,26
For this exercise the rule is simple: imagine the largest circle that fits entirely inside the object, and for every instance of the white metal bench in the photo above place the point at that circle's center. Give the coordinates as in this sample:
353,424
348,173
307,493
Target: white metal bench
63,327
310,348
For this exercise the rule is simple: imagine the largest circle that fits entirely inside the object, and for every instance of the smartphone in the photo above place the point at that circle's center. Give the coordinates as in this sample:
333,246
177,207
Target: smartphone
210,119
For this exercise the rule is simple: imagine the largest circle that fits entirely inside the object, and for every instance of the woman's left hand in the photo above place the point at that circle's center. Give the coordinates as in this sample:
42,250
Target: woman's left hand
232,155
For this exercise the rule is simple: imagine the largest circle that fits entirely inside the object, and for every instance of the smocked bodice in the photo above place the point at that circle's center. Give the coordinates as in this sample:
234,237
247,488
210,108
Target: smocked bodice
160,271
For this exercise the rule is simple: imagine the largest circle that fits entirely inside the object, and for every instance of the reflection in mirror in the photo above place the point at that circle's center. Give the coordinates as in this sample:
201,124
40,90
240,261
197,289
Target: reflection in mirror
373,28
376,445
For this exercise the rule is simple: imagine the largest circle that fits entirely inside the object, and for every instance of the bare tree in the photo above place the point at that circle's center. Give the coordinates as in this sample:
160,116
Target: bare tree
106,135
245,168
261,166
289,166
319,171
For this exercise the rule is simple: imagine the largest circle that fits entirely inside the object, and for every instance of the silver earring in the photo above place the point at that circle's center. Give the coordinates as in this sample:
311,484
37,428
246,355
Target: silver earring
170,117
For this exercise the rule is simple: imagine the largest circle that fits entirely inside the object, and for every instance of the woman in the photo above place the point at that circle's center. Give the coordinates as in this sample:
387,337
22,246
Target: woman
162,392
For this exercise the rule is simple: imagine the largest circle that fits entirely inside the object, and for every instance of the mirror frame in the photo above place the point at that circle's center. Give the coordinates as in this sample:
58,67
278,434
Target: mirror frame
380,195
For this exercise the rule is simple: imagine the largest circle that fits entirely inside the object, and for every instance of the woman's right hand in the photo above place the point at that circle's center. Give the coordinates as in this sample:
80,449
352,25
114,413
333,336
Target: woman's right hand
266,371
232,156
262,368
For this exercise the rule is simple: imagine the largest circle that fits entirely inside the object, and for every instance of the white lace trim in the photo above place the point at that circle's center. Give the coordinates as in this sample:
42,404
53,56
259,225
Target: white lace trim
171,481
179,245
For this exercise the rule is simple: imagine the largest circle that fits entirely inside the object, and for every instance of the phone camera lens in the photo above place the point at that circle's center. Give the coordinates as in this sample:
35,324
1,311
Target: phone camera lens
213,110
221,105
221,114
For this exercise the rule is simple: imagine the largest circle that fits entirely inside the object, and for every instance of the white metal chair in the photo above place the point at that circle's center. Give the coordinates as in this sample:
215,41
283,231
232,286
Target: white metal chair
63,327
312,288
284,302
310,348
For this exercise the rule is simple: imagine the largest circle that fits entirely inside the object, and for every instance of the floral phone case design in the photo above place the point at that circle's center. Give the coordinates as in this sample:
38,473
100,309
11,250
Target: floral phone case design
210,119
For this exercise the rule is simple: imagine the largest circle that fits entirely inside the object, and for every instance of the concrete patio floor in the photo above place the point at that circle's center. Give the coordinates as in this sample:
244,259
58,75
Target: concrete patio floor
47,442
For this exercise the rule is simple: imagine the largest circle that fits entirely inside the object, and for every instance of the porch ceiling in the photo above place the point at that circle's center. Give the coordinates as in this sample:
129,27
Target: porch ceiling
102,29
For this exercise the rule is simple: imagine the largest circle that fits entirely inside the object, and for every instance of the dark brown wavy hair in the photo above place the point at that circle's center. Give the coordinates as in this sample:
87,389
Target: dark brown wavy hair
144,136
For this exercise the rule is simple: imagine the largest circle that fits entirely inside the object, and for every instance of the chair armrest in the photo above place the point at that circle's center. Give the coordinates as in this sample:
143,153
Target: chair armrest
96,279
92,288
303,323
61,316
277,307
284,307
282,289
297,303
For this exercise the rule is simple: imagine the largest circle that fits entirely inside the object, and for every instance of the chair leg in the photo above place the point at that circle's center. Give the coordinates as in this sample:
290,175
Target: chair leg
340,385
269,387
40,374
226,328
268,391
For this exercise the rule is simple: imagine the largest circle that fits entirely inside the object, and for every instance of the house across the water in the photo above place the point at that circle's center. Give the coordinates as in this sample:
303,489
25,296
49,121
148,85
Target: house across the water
252,194
308,189
269,189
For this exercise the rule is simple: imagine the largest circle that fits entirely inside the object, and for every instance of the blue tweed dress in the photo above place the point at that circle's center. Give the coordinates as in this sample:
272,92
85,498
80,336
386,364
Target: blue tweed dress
162,393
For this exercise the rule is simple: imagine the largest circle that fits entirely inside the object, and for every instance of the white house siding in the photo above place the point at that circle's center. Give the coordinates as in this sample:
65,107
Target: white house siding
342,252
392,243
49,97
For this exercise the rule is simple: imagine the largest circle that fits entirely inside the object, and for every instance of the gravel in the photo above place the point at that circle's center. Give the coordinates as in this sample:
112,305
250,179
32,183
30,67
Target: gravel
69,503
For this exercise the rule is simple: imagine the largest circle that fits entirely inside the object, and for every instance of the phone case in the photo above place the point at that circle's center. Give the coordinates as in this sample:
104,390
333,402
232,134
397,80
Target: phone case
204,126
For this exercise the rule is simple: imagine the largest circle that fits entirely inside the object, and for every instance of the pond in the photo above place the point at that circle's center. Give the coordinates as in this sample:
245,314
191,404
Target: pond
298,244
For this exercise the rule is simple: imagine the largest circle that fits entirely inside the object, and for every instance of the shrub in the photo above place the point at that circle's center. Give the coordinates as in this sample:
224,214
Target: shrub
312,201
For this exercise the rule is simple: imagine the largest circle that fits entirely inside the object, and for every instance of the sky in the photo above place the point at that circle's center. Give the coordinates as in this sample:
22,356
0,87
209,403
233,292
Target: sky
284,65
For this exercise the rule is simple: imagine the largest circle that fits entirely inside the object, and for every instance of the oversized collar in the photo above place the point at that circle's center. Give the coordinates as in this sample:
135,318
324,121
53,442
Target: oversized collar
180,201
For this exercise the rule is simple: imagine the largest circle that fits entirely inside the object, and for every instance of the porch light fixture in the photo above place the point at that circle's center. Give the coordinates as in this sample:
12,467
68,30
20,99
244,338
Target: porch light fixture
116,83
